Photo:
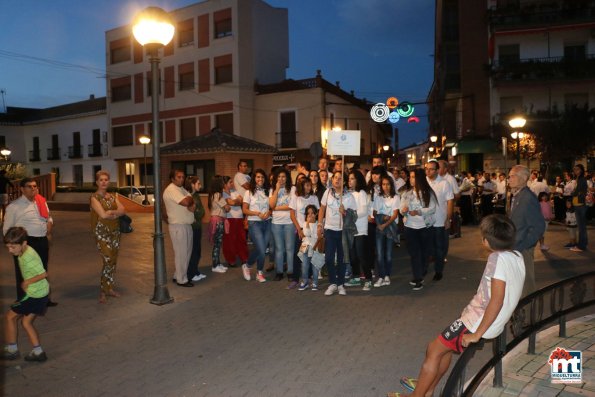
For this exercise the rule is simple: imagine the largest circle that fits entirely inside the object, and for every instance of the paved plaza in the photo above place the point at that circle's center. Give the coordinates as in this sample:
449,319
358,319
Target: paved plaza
230,337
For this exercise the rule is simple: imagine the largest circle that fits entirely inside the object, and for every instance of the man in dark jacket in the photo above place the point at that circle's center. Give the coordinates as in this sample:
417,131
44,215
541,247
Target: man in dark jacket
525,213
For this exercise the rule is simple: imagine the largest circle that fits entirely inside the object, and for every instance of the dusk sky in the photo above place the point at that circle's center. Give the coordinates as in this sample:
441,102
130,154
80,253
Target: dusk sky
53,52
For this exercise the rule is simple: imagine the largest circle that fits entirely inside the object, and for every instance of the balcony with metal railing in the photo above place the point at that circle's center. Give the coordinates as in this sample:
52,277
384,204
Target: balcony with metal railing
541,13
54,153
286,139
95,150
75,152
34,155
543,69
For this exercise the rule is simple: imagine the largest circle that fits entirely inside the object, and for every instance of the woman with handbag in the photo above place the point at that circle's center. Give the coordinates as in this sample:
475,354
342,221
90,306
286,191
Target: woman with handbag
333,209
105,213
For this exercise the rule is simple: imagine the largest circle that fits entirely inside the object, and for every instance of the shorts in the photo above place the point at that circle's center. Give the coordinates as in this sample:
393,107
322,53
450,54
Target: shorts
3,198
30,305
452,336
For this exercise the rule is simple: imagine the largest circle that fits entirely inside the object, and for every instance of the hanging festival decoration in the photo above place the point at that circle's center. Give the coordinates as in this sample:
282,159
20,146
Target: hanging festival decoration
382,112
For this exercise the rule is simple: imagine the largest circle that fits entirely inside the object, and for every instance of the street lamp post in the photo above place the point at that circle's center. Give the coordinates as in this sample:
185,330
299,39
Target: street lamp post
153,28
433,139
516,123
145,140
5,152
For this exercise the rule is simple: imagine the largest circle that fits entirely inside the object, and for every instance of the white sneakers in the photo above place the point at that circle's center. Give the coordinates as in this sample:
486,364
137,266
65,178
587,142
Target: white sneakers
199,277
382,282
246,272
219,269
333,288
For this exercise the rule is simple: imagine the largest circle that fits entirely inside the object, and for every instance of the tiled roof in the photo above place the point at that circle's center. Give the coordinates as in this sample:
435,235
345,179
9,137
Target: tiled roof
217,141
16,115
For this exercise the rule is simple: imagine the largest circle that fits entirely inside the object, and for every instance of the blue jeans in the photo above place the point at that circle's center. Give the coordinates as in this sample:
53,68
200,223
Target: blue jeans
284,236
260,234
196,252
305,268
333,245
581,223
384,254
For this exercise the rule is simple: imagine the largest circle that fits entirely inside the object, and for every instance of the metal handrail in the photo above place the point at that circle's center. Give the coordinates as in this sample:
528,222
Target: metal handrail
580,291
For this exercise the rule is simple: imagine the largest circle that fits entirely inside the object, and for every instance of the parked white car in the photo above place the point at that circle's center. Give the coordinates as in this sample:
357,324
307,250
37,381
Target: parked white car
137,193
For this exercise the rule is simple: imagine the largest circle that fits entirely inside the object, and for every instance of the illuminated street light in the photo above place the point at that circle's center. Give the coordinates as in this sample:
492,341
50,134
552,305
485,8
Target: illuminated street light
516,123
145,140
154,28
433,138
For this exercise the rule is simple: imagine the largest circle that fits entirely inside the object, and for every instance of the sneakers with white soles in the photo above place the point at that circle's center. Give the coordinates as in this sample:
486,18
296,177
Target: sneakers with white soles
331,290
379,282
246,272
342,290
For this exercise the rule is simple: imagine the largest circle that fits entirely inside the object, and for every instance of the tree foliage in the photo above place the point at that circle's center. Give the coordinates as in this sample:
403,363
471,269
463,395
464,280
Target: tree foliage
563,135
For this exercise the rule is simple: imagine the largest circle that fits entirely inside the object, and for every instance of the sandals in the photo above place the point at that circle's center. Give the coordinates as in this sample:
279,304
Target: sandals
408,383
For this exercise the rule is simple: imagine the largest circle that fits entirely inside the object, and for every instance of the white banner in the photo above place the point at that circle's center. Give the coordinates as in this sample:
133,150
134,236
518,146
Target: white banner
346,143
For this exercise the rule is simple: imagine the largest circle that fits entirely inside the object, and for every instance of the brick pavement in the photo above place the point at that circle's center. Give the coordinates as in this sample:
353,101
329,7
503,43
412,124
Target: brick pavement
229,337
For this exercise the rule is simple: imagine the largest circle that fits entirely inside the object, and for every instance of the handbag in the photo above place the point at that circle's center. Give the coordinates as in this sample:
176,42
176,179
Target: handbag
125,224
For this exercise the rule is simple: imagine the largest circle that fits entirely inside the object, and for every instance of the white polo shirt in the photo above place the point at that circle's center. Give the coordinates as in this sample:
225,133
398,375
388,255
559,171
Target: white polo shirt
177,214
443,194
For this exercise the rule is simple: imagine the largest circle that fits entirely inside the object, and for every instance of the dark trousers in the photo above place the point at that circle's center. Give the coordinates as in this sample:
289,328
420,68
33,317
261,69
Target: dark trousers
333,245
360,257
417,246
466,209
581,223
439,238
559,208
487,207
42,247
196,253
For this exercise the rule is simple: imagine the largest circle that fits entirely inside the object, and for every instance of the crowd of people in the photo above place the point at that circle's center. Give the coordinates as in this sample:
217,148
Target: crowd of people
322,222
319,221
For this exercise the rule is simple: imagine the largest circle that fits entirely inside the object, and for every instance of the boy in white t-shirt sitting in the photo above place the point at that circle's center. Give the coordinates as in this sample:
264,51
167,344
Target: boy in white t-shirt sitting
488,312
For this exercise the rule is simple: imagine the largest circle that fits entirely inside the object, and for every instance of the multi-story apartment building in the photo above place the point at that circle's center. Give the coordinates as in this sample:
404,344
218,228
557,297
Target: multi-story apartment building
499,57
294,114
69,140
221,48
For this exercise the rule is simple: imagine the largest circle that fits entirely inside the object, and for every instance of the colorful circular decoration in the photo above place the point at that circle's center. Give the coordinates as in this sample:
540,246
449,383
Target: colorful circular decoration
405,109
394,117
379,112
413,119
392,102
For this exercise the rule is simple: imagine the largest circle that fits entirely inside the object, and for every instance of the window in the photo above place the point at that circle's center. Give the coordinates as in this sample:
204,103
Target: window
2,141
203,169
222,20
224,122
511,104
574,52
122,136
120,50
223,69
287,135
185,32
509,54
121,89
186,76
187,128
36,171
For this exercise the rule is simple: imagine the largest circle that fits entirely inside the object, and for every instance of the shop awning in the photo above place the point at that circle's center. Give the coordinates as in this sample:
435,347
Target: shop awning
476,146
